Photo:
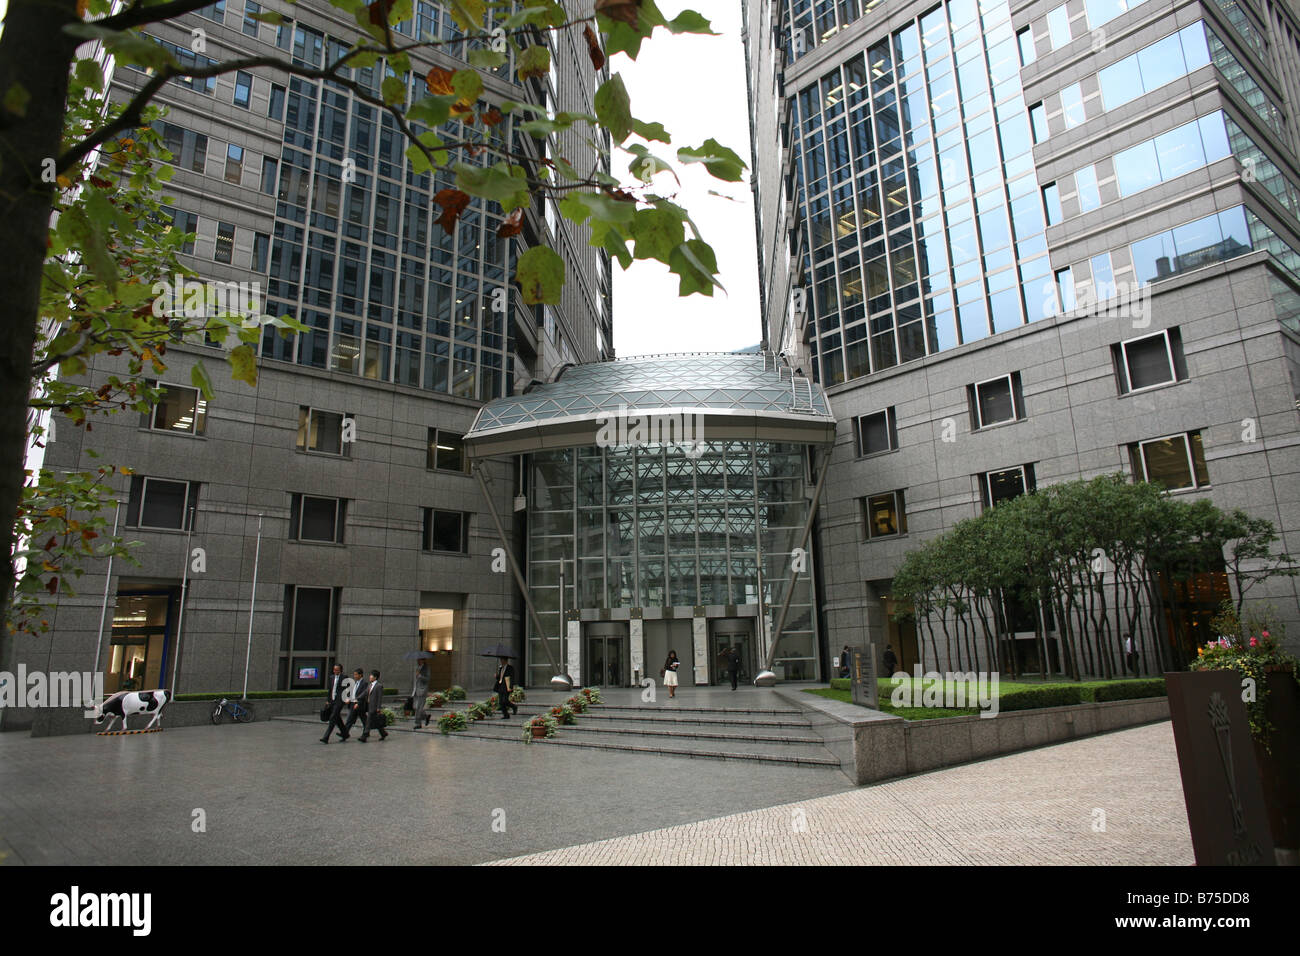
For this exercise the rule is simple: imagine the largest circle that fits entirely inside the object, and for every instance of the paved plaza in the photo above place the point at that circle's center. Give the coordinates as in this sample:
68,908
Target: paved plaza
270,793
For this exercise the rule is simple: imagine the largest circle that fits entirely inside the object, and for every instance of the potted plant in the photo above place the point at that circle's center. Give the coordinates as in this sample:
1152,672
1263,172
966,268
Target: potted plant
436,699
517,696
563,714
592,695
389,715
455,692
578,703
491,704
535,728
1270,681
476,712
452,720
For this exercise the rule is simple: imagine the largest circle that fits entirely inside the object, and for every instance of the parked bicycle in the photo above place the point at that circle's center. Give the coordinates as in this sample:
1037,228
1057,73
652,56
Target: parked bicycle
239,710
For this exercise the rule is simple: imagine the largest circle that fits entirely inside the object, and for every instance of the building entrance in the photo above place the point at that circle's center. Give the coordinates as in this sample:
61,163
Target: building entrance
604,654
727,632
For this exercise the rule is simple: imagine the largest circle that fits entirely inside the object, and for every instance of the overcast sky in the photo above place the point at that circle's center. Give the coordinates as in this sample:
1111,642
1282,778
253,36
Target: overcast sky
695,86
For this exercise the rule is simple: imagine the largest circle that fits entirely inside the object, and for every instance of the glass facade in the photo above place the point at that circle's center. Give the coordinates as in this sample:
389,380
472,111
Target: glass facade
652,527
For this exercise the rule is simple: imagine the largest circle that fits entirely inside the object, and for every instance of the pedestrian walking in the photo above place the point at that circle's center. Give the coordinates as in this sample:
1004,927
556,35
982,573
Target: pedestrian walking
845,657
669,673
334,703
733,665
374,709
420,695
1130,655
502,685
357,705
889,660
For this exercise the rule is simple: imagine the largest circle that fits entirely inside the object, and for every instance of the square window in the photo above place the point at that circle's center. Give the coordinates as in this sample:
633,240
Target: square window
877,433
181,410
323,432
1176,462
161,503
318,519
446,451
996,401
884,515
1148,362
1000,486
446,531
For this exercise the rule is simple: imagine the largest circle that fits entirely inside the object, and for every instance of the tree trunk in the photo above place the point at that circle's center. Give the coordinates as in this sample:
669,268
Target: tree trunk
35,55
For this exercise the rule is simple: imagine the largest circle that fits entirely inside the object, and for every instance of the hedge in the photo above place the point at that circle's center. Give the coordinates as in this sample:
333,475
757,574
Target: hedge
1130,690
841,683
263,694
1054,696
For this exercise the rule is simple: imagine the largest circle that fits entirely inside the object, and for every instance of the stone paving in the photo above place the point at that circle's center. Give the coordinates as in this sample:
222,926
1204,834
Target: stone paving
271,794
1111,799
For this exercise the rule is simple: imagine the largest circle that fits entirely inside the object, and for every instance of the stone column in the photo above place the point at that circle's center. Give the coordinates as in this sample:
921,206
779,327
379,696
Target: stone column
636,647
700,627
573,644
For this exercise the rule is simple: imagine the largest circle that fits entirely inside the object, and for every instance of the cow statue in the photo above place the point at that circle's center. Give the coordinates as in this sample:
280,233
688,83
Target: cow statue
125,703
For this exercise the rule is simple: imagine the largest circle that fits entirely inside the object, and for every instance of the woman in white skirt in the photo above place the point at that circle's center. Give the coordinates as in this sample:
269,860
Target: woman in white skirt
670,673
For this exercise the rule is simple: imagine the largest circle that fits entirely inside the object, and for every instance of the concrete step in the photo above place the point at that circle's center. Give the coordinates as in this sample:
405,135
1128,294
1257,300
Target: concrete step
721,732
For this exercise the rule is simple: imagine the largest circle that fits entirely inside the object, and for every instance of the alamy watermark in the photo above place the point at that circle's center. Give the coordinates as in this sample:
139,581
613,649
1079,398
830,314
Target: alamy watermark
195,299
55,689
674,429
949,690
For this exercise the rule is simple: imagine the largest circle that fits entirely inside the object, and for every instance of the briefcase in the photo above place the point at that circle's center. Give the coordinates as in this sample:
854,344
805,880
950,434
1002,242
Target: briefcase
325,714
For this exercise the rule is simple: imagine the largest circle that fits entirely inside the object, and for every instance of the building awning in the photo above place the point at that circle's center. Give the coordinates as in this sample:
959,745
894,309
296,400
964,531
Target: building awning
723,396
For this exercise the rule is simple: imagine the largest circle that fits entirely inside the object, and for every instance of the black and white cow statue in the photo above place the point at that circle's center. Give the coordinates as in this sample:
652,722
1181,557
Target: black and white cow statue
125,703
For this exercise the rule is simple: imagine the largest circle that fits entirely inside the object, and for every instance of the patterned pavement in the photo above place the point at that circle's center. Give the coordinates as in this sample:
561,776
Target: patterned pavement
1111,799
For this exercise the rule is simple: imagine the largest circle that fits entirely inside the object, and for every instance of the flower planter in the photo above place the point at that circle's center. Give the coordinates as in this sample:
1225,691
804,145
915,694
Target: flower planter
539,731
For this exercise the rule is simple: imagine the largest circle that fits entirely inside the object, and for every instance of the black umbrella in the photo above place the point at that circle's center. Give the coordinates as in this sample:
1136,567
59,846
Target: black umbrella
418,655
498,650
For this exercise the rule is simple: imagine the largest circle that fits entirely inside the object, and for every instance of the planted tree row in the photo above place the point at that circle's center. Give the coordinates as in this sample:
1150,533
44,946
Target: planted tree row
1092,561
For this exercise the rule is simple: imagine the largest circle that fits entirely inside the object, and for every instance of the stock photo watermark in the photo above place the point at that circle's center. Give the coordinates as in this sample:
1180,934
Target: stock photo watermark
948,690
671,429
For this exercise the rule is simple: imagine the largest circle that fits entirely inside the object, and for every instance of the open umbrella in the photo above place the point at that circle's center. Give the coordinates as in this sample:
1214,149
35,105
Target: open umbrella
498,650
418,655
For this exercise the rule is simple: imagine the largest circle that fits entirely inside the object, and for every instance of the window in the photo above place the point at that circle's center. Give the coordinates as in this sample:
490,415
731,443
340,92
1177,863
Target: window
1149,361
1058,26
214,11
310,624
234,163
1038,120
276,108
269,169
180,410
446,531
1103,278
251,10
884,515
225,242
1065,289
261,247
189,150
999,486
243,88
327,433
446,451
1052,203
1085,181
1072,105
996,401
1176,462
1025,38
876,433
316,519
161,503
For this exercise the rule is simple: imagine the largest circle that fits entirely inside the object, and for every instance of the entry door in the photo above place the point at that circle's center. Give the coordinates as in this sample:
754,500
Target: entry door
604,665
744,643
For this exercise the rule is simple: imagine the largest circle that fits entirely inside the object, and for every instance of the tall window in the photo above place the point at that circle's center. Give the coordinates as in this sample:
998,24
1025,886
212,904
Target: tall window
884,515
324,432
446,531
1150,361
996,401
181,410
876,433
312,518
161,503
1176,461
243,89
446,451
309,627
251,10
225,248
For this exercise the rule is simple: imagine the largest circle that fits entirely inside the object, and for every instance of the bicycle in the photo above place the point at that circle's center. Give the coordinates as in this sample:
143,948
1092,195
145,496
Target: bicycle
239,710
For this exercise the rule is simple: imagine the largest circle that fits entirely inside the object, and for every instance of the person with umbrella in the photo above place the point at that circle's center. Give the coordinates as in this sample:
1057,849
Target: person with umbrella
504,681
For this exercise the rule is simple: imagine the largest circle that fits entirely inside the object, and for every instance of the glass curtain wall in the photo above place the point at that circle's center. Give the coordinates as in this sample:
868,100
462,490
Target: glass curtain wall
652,527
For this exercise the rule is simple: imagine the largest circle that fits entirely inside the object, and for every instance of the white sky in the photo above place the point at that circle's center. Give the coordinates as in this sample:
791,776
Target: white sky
695,86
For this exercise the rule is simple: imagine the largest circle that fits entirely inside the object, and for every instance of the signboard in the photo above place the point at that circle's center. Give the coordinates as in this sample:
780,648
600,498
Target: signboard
1216,758
862,675
308,673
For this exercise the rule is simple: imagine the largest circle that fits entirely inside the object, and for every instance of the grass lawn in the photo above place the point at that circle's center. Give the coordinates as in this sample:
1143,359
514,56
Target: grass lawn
907,713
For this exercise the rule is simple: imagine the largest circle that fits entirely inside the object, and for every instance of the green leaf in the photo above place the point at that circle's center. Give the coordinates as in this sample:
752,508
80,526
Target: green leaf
91,74
620,37
419,161
614,108
645,164
126,45
540,274
502,183
394,90
534,61
401,64
688,21
468,14
432,111
468,85
653,132
695,265
200,380
363,59
275,19
485,59
721,162
90,240
657,233
243,364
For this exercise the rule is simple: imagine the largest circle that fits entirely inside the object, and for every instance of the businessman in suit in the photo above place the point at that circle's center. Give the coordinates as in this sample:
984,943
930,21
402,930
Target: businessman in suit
503,684
334,699
358,703
374,703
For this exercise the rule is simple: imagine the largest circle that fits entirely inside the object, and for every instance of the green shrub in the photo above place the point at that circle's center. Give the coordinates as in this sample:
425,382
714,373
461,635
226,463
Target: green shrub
1056,695
452,720
1130,690
841,683
455,692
